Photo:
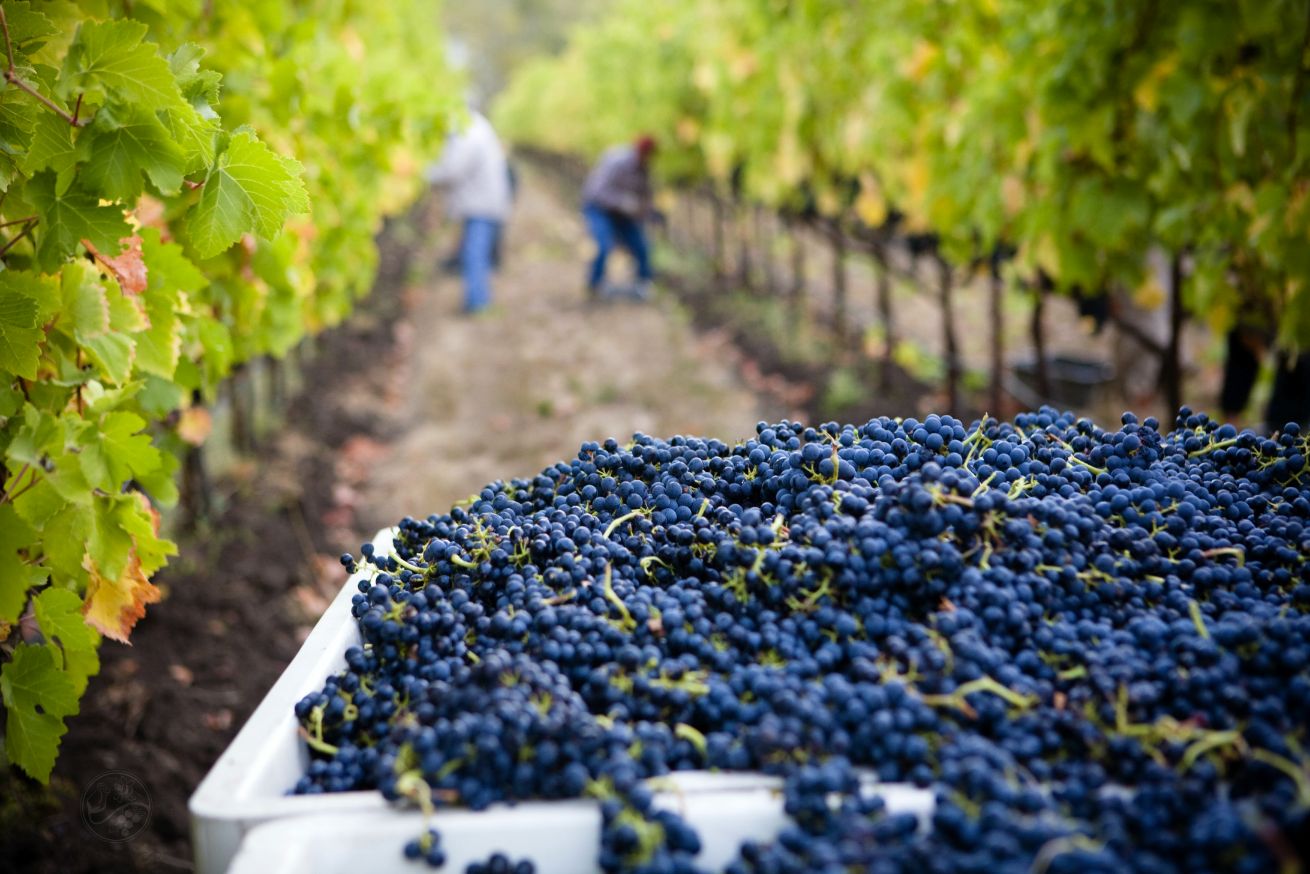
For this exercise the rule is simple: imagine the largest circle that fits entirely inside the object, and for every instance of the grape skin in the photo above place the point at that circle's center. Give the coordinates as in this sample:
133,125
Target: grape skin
1094,644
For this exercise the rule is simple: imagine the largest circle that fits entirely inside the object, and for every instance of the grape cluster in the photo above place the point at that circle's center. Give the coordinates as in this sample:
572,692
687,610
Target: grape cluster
1093,644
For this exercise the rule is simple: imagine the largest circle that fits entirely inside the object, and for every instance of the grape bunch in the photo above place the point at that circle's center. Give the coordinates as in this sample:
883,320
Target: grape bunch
1094,645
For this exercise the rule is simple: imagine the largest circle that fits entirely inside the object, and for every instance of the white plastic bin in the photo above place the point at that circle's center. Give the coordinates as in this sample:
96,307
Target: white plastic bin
561,837
243,803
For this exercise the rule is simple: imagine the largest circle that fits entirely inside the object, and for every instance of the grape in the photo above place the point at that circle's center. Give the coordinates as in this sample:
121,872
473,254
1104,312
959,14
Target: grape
1093,644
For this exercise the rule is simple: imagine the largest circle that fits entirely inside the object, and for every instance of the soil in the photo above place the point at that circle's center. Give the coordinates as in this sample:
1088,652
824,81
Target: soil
409,407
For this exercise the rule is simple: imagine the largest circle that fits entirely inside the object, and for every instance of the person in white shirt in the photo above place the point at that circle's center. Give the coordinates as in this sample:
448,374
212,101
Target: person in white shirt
474,171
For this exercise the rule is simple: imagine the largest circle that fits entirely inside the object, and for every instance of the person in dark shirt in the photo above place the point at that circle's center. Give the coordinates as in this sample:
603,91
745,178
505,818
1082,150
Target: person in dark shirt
616,201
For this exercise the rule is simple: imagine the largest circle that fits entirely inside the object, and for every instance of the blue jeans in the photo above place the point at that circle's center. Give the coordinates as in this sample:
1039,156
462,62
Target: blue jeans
608,228
475,261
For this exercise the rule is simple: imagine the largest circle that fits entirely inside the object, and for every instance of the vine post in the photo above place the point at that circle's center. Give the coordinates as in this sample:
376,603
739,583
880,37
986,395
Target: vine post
840,328
950,343
996,346
883,295
1171,364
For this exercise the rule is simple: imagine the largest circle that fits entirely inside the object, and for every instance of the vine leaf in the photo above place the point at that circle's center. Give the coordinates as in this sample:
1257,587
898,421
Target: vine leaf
115,603
117,451
20,336
249,188
68,218
52,148
26,25
123,548
107,59
122,150
128,266
113,353
59,614
171,277
16,576
195,128
37,697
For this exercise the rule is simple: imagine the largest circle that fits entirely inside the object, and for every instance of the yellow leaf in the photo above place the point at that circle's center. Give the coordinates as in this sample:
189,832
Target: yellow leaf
1240,195
1150,294
1012,195
741,63
920,60
705,76
1045,254
113,606
871,206
687,130
1147,92
194,425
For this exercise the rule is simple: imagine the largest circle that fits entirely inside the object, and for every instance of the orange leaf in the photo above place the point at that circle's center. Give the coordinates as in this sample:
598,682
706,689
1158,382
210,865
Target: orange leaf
113,606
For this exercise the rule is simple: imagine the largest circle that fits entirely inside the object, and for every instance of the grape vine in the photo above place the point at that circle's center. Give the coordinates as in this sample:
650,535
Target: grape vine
153,237
1083,135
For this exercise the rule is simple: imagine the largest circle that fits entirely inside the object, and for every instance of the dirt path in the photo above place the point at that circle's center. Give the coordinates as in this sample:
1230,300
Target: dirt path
508,392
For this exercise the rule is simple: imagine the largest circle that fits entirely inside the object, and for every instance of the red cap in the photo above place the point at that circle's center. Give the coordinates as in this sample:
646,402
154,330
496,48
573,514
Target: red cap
645,145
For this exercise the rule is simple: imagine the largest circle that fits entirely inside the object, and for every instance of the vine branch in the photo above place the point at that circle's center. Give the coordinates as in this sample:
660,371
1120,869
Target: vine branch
12,77
27,230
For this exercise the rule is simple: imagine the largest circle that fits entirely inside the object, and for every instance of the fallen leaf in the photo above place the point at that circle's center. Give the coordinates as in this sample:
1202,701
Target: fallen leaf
219,720
182,674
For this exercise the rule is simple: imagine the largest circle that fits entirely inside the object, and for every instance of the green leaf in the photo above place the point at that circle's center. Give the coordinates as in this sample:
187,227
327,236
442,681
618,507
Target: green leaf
39,504
20,337
108,543
136,517
219,351
127,313
64,554
122,151
16,575
17,116
59,613
113,353
107,59
37,697
159,346
68,218
199,87
99,400
195,129
161,484
169,267
52,148
68,479
42,289
249,189
117,451
39,435
86,304
27,27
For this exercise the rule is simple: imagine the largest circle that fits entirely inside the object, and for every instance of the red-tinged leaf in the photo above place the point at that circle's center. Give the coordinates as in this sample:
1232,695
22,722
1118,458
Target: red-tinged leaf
113,606
128,266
